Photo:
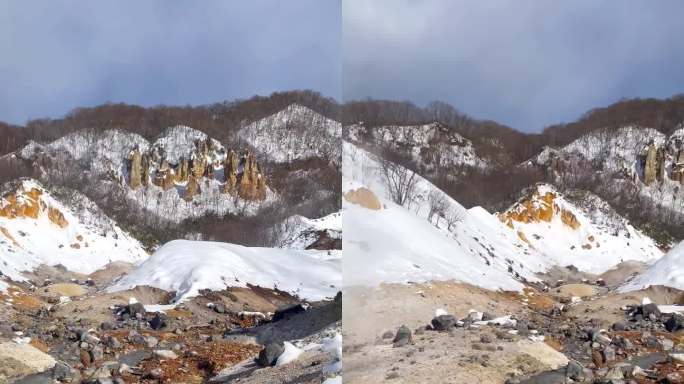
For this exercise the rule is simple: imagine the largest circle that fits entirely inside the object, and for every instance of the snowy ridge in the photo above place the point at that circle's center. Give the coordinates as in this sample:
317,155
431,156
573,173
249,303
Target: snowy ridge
37,228
430,145
187,267
299,232
295,133
105,155
179,141
668,271
586,232
398,243
102,151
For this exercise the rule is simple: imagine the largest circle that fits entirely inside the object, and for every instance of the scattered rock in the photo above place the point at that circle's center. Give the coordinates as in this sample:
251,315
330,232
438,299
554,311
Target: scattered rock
403,337
165,354
287,311
443,322
574,371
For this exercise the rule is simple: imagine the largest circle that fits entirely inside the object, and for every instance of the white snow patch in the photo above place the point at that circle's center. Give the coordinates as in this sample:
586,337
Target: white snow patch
668,271
186,267
291,353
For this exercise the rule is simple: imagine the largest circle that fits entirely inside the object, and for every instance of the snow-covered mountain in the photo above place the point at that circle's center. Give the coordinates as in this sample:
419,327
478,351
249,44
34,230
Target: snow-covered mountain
668,271
387,242
431,146
299,232
106,156
629,158
186,267
36,227
295,133
579,229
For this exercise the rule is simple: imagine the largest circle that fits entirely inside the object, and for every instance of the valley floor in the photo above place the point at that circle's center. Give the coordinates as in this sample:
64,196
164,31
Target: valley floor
71,330
551,334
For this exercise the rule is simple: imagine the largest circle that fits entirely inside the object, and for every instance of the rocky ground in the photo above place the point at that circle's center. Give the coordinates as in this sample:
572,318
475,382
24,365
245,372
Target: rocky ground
580,330
62,327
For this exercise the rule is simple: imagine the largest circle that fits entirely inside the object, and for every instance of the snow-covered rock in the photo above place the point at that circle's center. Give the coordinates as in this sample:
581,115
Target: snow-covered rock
579,229
187,267
38,228
295,133
668,271
431,145
299,232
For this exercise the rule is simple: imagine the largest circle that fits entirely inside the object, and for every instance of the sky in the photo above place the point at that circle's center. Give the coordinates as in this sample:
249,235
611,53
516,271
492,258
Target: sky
524,63
61,54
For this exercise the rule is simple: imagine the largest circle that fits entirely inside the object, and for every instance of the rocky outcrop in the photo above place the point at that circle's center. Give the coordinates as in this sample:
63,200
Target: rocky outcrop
21,204
568,218
654,164
252,183
242,175
182,171
145,174
678,168
57,217
363,197
135,174
230,171
191,189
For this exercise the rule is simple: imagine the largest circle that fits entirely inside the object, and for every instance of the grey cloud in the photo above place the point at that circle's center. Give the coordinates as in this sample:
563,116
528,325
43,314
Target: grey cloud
526,63
57,55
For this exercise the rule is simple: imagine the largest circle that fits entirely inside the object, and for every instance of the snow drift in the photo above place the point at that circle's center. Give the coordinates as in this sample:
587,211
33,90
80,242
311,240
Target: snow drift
187,267
668,271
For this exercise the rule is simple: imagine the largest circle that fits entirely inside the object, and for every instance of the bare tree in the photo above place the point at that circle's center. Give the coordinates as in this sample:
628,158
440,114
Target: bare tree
401,182
437,204
454,216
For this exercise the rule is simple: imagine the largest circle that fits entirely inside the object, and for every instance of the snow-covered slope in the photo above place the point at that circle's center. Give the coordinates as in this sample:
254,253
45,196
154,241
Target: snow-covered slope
187,267
299,232
430,145
585,232
387,242
668,271
295,133
38,228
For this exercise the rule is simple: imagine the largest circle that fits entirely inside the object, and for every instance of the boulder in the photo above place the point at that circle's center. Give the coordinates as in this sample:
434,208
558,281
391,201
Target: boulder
287,311
158,321
403,337
443,322
134,309
269,355
674,323
574,371
18,360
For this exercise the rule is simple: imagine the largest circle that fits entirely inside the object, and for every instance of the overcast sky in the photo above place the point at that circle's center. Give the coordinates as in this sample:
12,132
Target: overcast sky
525,63
56,55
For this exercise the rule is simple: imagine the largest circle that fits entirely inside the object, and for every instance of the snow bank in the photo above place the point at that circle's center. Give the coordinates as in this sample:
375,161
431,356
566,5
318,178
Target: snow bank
186,267
291,353
668,271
